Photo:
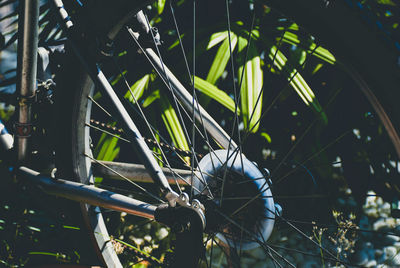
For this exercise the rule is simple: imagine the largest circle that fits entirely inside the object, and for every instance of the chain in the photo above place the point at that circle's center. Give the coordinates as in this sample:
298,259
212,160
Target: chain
150,142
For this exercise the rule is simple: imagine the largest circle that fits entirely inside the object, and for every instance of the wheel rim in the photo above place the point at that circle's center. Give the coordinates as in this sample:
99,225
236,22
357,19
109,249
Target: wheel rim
259,216
285,164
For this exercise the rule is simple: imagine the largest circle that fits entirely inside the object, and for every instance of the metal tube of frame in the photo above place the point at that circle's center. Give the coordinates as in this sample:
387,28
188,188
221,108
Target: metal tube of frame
85,56
26,71
138,173
88,194
201,115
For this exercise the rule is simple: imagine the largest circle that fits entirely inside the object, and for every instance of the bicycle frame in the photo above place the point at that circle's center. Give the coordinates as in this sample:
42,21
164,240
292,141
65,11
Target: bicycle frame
26,73
26,85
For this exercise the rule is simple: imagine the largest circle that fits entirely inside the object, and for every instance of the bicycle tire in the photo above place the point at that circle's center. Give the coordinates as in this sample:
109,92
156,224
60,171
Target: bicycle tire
377,87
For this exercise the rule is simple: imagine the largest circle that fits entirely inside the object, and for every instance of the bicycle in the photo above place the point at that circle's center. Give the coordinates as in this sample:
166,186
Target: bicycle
239,205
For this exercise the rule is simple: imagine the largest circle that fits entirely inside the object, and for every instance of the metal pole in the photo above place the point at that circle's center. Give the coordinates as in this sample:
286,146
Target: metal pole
26,72
88,194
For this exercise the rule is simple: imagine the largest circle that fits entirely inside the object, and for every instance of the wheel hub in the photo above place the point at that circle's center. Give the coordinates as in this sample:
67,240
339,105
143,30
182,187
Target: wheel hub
242,211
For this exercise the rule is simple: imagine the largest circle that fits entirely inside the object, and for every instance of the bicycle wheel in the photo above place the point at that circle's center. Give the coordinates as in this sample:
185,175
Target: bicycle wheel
311,159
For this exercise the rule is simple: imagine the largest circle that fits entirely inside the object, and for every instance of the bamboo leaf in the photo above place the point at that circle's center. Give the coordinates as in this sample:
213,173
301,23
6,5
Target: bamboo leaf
137,89
242,43
176,42
160,6
152,97
215,93
266,136
118,78
108,148
217,38
320,52
221,59
172,124
251,89
297,82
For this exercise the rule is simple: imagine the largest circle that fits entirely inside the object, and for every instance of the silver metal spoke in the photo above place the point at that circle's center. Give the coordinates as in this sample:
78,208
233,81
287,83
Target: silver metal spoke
100,107
286,87
107,132
314,155
307,237
290,150
236,100
128,180
252,235
145,120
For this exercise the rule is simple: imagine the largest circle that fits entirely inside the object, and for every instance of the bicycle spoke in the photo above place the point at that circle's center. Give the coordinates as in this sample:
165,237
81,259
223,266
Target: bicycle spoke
108,133
252,235
253,215
128,180
307,237
288,153
98,105
281,92
315,154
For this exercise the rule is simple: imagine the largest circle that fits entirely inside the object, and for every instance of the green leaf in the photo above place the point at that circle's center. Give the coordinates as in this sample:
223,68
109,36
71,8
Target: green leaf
118,78
217,38
137,89
172,124
176,42
386,2
297,82
214,93
106,148
160,6
317,68
242,43
266,136
251,97
137,249
221,59
152,97
320,52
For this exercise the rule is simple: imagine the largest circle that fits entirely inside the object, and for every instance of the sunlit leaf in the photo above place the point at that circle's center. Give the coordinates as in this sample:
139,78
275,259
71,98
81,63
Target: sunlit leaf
221,59
106,148
320,52
172,123
160,6
242,43
137,89
152,97
250,76
386,2
214,93
143,252
118,78
217,38
317,68
176,42
297,82
293,26
266,136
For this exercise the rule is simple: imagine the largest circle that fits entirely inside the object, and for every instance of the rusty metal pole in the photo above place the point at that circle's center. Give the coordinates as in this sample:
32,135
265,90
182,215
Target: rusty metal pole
26,72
